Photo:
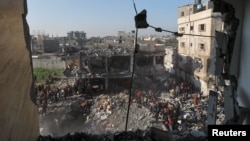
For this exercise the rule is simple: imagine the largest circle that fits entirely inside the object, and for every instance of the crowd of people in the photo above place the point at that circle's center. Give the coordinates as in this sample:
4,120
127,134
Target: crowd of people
48,93
165,111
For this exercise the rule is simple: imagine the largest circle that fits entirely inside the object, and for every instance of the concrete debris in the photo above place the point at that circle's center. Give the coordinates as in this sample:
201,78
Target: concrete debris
102,116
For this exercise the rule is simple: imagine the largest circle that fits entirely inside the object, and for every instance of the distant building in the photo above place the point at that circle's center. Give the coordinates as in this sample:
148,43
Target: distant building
109,39
50,45
76,39
195,52
76,35
125,37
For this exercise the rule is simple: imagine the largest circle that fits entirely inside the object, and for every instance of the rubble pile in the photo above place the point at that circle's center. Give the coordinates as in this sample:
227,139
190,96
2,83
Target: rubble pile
114,120
103,116
98,120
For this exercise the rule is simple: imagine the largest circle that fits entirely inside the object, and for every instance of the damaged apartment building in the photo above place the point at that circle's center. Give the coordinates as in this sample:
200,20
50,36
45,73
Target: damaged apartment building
196,48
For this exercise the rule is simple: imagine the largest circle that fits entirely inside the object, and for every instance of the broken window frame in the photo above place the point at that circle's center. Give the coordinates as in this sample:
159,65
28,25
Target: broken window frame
201,46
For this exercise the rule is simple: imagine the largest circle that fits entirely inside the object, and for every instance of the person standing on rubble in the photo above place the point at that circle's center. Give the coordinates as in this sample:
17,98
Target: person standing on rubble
145,100
142,98
169,123
138,96
165,111
153,105
195,100
182,87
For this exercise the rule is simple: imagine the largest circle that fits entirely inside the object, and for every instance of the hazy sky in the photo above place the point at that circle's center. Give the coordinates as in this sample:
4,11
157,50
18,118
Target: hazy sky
100,17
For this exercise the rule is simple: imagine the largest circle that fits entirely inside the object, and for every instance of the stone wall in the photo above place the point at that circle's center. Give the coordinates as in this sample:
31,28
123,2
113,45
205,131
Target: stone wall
48,63
19,115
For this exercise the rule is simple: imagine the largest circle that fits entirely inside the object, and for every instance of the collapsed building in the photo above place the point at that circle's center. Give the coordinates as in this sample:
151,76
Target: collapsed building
102,67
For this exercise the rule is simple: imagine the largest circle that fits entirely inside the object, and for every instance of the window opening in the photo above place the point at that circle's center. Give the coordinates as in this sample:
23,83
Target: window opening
202,47
182,29
202,27
182,13
191,28
183,44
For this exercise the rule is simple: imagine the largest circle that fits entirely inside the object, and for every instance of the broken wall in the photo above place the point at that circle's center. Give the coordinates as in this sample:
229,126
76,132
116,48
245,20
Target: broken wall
19,116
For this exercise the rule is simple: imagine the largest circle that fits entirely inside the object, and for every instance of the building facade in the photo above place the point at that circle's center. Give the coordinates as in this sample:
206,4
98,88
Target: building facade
198,24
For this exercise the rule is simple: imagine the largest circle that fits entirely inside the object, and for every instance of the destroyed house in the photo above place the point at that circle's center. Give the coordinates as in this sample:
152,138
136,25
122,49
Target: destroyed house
104,65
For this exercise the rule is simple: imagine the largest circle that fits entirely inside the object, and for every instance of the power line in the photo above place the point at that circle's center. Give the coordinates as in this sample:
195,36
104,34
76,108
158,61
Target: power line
158,29
141,22
135,7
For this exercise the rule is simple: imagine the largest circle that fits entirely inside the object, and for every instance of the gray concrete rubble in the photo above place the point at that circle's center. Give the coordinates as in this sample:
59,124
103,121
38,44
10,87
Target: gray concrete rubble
105,117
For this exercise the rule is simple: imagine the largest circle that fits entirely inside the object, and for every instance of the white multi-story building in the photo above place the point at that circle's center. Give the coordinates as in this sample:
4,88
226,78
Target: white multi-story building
196,48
